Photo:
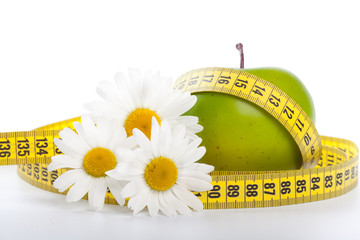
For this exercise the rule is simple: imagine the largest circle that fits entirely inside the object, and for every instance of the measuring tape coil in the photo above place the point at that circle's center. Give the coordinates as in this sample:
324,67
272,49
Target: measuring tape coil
330,165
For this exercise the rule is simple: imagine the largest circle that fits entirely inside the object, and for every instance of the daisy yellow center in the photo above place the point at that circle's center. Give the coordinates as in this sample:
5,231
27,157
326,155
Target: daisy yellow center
140,119
161,174
98,161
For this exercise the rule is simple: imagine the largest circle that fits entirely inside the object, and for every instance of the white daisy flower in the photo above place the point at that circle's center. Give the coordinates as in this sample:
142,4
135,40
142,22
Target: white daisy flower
162,172
88,154
135,99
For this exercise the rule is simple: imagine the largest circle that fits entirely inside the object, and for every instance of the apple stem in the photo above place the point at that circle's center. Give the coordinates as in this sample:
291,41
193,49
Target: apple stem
239,47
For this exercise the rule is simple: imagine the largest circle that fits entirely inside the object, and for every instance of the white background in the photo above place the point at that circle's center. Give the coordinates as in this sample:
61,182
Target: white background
54,53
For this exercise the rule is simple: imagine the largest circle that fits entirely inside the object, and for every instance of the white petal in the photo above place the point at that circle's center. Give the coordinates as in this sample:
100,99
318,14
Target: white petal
124,154
201,167
144,156
106,91
142,140
129,143
118,137
153,203
194,184
123,86
139,202
194,129
195,174
166,107
178,136
68,178
79,189
135,74
165,138
190,123
114,173
102,133
155,98
120,79
89,131
125,174
195,143
115,189
64,161
137,83
175,108
191,134
187,120
97,193
179,150
66,149
133,187
187,197
192,156
109,93
133,167
80,131
165,207
155,135
176,203
73,140
147,93
159,91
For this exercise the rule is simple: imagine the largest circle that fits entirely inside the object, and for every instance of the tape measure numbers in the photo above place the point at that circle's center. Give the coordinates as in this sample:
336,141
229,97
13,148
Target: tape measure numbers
330,164
264,94
32,146
335,174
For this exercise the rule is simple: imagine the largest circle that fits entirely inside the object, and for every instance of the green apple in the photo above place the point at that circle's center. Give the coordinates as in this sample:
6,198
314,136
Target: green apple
240,136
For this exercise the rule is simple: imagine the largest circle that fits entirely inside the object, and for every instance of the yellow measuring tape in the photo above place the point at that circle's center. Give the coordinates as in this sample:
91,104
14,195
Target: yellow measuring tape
330,165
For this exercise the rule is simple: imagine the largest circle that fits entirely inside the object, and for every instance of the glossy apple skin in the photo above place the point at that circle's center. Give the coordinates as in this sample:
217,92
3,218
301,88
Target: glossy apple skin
240,136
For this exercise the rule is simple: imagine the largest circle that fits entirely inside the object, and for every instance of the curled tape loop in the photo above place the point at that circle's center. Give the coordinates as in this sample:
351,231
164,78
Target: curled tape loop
330,165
